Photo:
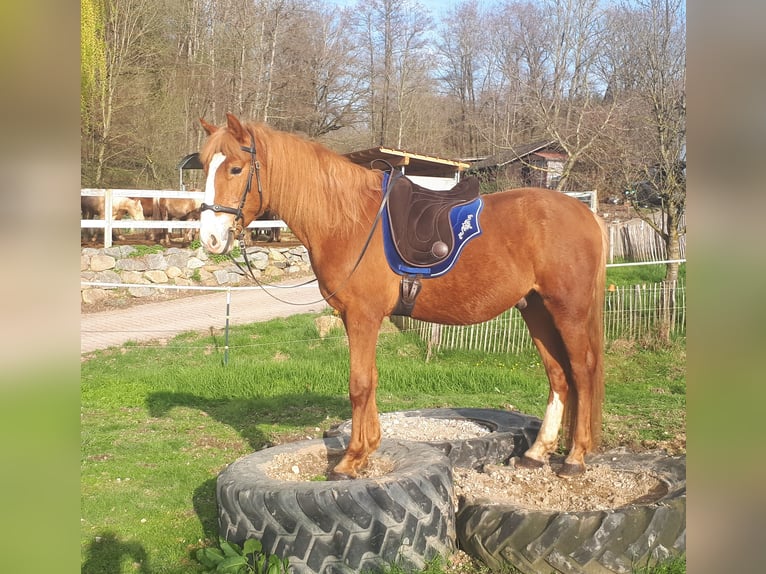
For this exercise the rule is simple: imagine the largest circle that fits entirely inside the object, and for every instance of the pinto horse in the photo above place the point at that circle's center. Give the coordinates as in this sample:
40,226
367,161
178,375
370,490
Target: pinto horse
540,250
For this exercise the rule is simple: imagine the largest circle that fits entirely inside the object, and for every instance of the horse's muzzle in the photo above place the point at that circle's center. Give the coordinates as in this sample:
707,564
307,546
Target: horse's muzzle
219,245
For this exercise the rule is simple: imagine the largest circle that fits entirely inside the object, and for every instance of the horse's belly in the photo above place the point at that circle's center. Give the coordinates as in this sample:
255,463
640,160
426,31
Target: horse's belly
470,303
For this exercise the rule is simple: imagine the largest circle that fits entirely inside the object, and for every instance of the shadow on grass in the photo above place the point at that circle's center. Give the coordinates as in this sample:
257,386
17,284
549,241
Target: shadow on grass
249,416
206,508
106,553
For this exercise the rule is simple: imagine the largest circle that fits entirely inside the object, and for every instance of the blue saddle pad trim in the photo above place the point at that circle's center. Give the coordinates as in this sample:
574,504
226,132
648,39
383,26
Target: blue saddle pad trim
465,225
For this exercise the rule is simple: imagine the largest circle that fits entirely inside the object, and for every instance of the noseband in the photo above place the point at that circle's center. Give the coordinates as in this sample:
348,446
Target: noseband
239,218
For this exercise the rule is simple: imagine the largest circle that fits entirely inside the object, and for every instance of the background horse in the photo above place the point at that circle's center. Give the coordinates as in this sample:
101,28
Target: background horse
179,209
539,249
92,207
169,209
272,234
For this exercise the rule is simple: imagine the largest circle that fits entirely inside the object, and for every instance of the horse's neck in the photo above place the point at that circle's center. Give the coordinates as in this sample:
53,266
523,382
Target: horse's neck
319,207
342,237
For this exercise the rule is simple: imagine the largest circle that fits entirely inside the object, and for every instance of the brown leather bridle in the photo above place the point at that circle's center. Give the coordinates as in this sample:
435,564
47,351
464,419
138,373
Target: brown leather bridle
239,218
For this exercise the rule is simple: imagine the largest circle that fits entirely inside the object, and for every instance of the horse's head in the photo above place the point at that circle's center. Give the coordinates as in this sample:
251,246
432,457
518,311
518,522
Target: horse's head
233,192
128,205
136,209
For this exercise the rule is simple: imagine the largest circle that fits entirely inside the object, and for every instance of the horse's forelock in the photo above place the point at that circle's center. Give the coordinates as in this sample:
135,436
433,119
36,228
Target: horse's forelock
220,141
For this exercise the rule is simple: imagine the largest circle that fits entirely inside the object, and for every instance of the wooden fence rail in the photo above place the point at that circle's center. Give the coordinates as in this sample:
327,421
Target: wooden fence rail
631,312
109,223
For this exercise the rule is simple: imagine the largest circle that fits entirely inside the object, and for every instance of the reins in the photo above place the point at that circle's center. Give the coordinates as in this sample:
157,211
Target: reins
255,167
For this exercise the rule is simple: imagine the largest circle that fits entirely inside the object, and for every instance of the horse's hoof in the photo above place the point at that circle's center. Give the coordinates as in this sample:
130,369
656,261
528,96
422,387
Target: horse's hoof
335,475
528,462
568,470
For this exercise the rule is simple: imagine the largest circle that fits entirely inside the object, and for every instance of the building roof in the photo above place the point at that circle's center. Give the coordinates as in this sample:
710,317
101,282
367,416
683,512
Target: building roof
515,153
190,161
412,163
551,155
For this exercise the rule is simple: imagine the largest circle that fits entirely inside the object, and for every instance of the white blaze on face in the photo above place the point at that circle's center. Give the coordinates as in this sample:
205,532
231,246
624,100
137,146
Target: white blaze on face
214,227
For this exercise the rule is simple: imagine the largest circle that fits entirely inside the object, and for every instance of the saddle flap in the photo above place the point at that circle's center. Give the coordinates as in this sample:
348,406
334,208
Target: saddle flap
419,219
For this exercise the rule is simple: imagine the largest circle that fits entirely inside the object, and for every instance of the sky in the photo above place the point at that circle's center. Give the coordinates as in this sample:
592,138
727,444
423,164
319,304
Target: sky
436,7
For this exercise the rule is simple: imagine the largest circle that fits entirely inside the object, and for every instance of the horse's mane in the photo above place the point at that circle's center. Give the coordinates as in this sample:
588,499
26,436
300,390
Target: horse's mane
309,185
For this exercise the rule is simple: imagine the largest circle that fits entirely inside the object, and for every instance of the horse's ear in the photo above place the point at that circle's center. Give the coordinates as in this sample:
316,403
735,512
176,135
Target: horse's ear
208,127
235,127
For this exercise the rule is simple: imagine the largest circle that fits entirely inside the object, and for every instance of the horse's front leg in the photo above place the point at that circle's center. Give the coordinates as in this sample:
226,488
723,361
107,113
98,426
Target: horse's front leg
362,334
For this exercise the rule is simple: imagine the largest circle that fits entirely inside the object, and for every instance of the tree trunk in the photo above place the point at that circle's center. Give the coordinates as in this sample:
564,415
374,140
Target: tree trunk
669,284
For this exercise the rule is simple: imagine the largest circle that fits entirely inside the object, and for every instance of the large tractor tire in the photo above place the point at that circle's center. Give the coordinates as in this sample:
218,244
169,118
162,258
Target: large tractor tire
405,517
614,541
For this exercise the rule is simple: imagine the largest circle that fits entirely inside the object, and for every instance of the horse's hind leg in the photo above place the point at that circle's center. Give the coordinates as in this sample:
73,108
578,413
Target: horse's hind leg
553,354
571,349
584,343
362,334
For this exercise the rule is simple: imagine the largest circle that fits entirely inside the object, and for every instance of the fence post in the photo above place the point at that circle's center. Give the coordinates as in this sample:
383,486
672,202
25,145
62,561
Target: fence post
107,218
226,333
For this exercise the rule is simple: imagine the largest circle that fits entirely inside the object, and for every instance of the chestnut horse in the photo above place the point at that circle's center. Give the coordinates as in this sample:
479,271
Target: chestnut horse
92,207
540,250
170,209
179,209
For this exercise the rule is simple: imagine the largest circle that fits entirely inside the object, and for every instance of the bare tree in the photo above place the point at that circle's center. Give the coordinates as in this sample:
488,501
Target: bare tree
566,95
125,26
654,148
393,33
460,48
320,90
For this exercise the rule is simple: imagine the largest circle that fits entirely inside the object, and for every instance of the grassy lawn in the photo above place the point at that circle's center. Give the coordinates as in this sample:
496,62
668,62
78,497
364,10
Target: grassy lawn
159,424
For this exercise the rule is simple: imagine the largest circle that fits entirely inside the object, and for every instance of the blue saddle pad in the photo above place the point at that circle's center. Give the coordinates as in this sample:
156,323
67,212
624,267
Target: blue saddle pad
465,226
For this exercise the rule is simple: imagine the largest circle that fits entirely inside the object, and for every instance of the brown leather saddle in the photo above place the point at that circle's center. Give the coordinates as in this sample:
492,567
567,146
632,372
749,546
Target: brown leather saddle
419,219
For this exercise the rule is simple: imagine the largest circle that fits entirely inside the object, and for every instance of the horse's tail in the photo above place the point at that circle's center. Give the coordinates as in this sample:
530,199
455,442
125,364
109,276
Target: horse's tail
595,333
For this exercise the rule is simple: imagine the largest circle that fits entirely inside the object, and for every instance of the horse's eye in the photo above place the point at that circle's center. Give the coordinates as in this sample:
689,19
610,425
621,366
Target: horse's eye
236,170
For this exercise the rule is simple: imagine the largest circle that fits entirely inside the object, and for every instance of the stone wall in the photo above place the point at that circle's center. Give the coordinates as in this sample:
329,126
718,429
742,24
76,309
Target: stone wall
185,267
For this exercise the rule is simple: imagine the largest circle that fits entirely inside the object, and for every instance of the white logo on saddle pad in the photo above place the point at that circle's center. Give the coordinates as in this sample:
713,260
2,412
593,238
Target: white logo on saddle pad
466,225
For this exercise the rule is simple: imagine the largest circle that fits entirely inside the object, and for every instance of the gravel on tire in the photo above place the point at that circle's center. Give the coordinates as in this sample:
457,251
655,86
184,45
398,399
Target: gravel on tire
405,517
589,542
508,434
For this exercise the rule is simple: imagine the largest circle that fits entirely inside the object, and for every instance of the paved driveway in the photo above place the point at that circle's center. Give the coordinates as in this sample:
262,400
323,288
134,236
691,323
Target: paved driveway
166,319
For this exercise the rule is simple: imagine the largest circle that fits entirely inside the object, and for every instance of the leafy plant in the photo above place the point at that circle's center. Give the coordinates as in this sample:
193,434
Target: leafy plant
233,559
236,252
141,250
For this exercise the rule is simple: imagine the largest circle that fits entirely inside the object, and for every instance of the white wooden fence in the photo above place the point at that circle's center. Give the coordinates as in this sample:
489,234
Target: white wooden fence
108,223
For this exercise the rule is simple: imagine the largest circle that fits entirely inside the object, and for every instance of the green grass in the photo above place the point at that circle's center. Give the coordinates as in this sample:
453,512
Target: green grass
637,274
159,423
